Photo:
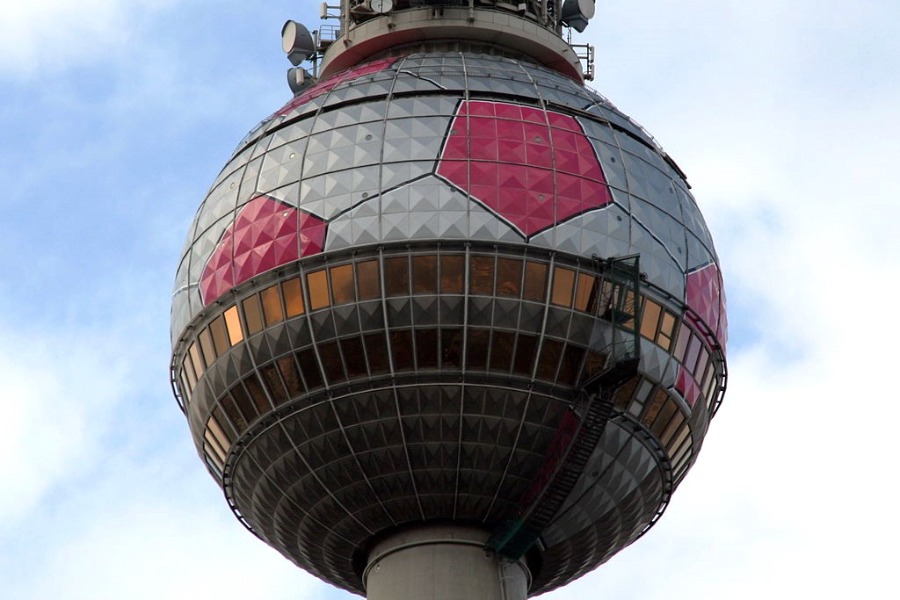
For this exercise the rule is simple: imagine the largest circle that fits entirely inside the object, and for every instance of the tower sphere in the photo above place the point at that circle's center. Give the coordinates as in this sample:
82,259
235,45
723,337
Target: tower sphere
448,285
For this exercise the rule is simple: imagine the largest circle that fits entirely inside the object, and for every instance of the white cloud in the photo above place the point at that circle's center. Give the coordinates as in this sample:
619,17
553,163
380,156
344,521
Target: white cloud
47,35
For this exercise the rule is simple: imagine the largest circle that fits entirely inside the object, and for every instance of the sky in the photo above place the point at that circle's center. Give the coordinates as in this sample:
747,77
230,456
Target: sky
115,117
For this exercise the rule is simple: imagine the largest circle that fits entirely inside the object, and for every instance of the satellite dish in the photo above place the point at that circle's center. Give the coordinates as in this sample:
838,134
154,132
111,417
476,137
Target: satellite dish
576,13
297,42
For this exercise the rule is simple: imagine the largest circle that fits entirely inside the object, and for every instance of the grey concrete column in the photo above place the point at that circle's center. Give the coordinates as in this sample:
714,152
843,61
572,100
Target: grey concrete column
442,562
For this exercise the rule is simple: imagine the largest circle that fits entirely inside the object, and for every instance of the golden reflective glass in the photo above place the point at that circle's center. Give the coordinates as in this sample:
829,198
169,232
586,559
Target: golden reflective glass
652,409
570,365
219,335
669,410
317,284
551,351
650,319
206,344
367,280
273,384
684,336
188,371
481,274
509,277
244,403
586,293
271,302
233,323
563,286
257,394
424,274
342,284
233,413
290,375
219,435
396,276
674,425
194,353
252,314
452,266
535,281
293,297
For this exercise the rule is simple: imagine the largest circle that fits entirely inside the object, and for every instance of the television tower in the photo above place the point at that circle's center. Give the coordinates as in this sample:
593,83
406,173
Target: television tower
448,324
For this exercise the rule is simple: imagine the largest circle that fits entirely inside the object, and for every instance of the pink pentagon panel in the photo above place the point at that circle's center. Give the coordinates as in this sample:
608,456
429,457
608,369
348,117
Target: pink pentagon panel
686,385
705,296
533,168
265,234
332,82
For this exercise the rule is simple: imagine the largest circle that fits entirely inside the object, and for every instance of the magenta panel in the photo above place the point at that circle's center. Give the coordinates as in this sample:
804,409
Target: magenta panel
688,388
332,82
265,234
534,168
705,296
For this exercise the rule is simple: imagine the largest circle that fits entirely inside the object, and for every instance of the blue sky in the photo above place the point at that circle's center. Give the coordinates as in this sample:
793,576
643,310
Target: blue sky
115,117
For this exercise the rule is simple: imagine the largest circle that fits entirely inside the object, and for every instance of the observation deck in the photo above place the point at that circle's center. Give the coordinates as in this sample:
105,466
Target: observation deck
539,30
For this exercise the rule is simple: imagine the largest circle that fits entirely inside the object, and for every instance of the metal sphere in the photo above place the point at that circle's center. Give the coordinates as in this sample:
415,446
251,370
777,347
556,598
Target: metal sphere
449,286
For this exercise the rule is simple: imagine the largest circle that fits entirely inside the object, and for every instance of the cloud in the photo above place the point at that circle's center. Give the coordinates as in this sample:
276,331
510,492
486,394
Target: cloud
48,35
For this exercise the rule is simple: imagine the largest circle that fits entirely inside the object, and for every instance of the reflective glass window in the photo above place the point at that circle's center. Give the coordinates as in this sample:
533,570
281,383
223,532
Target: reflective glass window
650,319
424,274
257,394
331,362
376,351
551,351
570,365
693,352
669,410
594,363
509,277
481,275
271,302
244,403
478,344
290,375
427,348
451,346
535,281
206,345
354,356
675,424
194,353
219,336
367,280
666,329
252,314
524,361
684,336
233,413
452,266
273,384
293,297
317,284
217,433
563,286
233,324
309,366
342,286
502,346
402,347
188,371
396,276
702,361
586,293
654,407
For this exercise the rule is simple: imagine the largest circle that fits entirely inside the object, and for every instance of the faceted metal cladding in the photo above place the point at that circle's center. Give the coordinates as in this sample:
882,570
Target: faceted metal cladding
395,293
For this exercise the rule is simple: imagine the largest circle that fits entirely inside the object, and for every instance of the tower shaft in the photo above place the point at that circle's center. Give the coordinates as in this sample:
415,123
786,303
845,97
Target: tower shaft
442,562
